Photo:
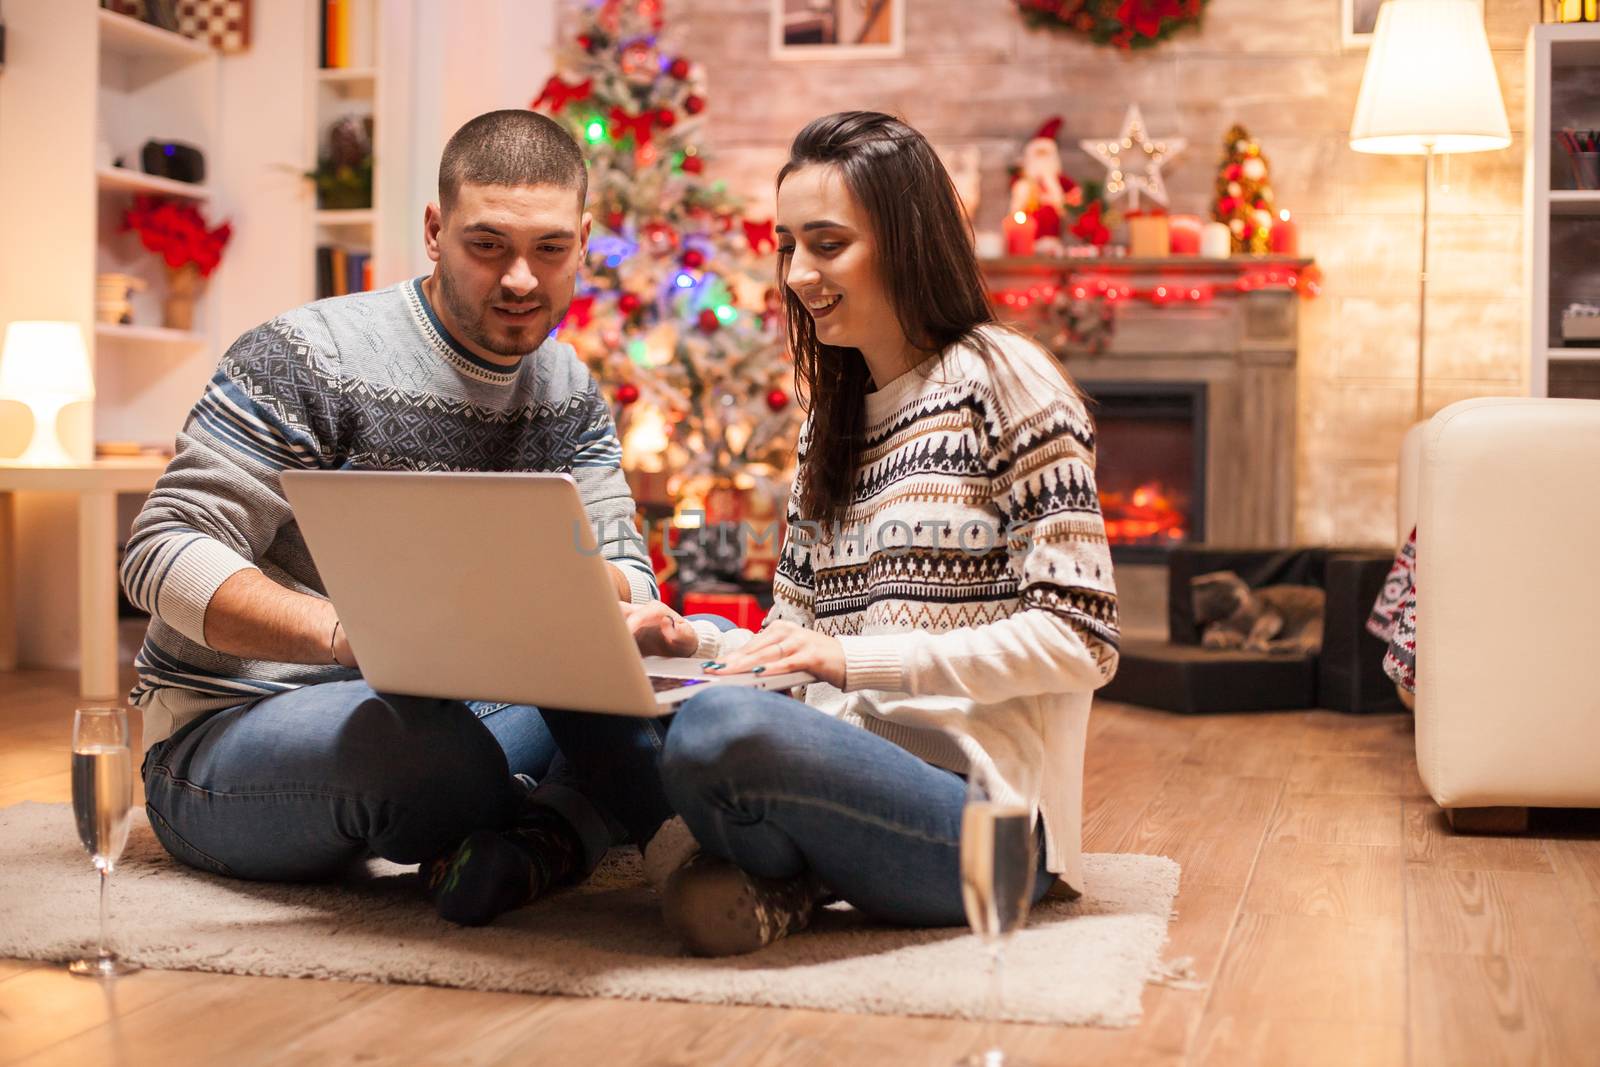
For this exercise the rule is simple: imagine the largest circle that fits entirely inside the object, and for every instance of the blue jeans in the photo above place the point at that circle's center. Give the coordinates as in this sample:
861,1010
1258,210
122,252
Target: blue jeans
298,785
777,787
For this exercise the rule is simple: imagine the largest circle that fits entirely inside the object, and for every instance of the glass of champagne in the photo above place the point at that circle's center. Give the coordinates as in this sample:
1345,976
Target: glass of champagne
102,802
999,858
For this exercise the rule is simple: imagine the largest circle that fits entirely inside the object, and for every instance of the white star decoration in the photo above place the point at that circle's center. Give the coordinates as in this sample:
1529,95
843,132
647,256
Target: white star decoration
1133,161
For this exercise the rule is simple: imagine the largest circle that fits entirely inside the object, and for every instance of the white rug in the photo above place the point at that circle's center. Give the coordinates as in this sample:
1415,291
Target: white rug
1082,963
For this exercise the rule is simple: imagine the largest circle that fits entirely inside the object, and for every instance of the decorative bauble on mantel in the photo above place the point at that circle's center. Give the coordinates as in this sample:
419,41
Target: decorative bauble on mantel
1124,24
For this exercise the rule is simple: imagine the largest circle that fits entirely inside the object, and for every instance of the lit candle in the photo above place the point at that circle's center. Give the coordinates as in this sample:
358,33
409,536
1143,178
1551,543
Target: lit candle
1021,229
1183,233
1215,241
1285,236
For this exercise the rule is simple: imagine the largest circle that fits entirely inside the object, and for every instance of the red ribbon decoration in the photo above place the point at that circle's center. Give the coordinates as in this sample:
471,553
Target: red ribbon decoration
639,125
759,234
558,94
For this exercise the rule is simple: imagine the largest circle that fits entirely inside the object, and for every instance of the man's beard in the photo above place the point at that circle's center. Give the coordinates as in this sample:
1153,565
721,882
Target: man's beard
470,321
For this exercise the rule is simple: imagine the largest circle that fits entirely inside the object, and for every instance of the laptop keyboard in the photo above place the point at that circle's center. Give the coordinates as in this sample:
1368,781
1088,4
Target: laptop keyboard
667,685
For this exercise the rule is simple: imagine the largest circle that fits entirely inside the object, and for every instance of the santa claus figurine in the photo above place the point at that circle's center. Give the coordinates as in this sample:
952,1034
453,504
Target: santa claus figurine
1041,190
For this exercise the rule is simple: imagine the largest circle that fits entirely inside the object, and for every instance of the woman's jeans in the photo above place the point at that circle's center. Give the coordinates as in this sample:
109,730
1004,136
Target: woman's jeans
777,787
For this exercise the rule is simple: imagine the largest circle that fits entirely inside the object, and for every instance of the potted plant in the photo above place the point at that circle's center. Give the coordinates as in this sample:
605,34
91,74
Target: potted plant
178,232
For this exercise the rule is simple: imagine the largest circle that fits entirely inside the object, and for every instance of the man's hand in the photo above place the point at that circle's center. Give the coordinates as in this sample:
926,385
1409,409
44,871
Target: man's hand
784,647
660,631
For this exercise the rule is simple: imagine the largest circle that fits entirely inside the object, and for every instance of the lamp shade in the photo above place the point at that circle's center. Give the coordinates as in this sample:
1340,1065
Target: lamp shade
45,361
1429,83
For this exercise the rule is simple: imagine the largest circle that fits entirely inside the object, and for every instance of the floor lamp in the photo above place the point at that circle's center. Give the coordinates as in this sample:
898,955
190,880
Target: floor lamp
1429,88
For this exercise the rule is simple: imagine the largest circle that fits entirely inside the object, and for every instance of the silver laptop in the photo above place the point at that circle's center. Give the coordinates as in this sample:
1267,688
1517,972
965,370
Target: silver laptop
483,587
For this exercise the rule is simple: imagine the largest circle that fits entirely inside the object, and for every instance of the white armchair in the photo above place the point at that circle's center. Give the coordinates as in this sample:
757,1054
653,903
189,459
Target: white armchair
1508,608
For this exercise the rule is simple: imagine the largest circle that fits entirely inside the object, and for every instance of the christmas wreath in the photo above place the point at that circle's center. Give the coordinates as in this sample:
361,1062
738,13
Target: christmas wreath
1124,23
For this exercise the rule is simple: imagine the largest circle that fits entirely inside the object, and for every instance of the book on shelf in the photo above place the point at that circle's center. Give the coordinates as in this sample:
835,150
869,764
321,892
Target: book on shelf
346,33
341,271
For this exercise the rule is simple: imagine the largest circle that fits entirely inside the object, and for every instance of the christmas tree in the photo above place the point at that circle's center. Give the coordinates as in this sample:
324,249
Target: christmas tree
1244,193
677,315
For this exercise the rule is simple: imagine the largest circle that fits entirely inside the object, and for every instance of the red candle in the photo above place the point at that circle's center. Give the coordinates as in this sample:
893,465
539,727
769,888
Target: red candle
1021,229
1284,239
1183,233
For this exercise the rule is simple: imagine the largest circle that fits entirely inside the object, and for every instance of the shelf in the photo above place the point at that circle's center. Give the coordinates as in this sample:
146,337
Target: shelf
1568,354
1572,44
346,74
147,335
126,35
1575,202
345,219
135,181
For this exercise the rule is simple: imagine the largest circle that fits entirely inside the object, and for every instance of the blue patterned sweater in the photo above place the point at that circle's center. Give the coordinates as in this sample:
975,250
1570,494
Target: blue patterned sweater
373,381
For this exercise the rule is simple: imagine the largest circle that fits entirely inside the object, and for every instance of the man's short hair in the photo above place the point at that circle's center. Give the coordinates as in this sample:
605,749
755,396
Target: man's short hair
511,147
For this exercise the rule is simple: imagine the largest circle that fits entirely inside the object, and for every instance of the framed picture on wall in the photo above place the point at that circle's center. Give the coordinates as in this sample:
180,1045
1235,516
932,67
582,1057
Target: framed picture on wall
1358,21
838,29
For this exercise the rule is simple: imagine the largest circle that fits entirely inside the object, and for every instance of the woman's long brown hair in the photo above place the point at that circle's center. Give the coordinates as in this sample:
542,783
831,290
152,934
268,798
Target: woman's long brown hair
926,261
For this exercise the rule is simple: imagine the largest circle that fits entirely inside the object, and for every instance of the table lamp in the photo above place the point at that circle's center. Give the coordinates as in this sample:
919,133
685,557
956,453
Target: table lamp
45,366
1429,88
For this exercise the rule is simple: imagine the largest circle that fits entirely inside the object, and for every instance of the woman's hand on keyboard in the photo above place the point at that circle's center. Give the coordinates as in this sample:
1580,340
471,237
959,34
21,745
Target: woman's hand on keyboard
660,631
784,647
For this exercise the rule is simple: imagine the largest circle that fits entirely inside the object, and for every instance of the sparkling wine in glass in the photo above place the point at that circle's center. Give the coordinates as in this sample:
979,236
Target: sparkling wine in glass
999,855
102,803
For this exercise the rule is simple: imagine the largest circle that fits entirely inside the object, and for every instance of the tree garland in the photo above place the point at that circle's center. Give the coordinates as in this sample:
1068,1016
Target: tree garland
1123,23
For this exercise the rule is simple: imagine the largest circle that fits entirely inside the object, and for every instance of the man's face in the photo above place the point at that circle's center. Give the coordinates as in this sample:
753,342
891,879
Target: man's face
508,257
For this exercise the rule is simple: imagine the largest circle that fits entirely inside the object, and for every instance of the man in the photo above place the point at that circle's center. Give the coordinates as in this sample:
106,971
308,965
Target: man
268,756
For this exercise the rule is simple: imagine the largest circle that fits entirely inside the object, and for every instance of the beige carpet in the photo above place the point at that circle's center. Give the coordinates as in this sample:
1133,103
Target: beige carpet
1083,963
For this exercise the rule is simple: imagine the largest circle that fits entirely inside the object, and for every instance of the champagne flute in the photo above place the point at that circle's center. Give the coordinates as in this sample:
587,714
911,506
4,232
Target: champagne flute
999,855
102,802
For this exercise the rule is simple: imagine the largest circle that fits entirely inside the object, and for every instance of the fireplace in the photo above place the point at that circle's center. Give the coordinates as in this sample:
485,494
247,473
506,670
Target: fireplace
1150,465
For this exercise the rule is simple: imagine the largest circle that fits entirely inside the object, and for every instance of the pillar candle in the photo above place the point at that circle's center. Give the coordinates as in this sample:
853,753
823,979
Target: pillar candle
1021,229
1215,241
1147,236
1183,231
1284,240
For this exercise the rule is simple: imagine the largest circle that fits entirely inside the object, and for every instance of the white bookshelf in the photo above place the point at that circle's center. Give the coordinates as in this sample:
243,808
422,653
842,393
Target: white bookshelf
153,84
1563,222
337,93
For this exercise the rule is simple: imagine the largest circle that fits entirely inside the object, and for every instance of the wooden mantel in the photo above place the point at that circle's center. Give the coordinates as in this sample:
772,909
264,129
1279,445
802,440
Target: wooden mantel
1242,344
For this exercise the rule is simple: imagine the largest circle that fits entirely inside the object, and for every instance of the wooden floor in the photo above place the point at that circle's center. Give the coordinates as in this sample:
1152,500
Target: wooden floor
1332,916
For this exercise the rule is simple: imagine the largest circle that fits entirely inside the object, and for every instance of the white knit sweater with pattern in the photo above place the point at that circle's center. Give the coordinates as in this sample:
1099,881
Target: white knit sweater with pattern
971,584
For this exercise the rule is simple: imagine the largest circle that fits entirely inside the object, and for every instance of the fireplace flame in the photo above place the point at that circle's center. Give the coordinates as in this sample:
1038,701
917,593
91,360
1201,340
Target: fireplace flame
1148,513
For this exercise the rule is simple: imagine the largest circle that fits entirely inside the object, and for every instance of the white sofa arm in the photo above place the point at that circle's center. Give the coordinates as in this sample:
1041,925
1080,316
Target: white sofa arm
1508,594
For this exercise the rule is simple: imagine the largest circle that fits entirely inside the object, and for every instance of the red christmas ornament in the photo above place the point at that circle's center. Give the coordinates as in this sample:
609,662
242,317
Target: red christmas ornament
628,303
614,221
708,320
777,400
692,165
666,118
658,238
627,393
694,104
693,259
679,68
585,42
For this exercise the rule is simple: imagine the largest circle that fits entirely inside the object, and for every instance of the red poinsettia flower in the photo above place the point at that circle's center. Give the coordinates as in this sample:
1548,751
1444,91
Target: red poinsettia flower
177,232
1144,16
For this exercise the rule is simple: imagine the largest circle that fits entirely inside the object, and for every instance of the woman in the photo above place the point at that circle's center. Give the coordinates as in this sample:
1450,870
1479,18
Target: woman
945,578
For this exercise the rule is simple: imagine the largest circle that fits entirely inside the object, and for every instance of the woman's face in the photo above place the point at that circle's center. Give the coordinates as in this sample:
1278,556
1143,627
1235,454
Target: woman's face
831,264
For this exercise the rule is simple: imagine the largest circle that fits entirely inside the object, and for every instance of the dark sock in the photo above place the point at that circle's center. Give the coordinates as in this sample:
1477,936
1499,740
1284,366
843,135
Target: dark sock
492,872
